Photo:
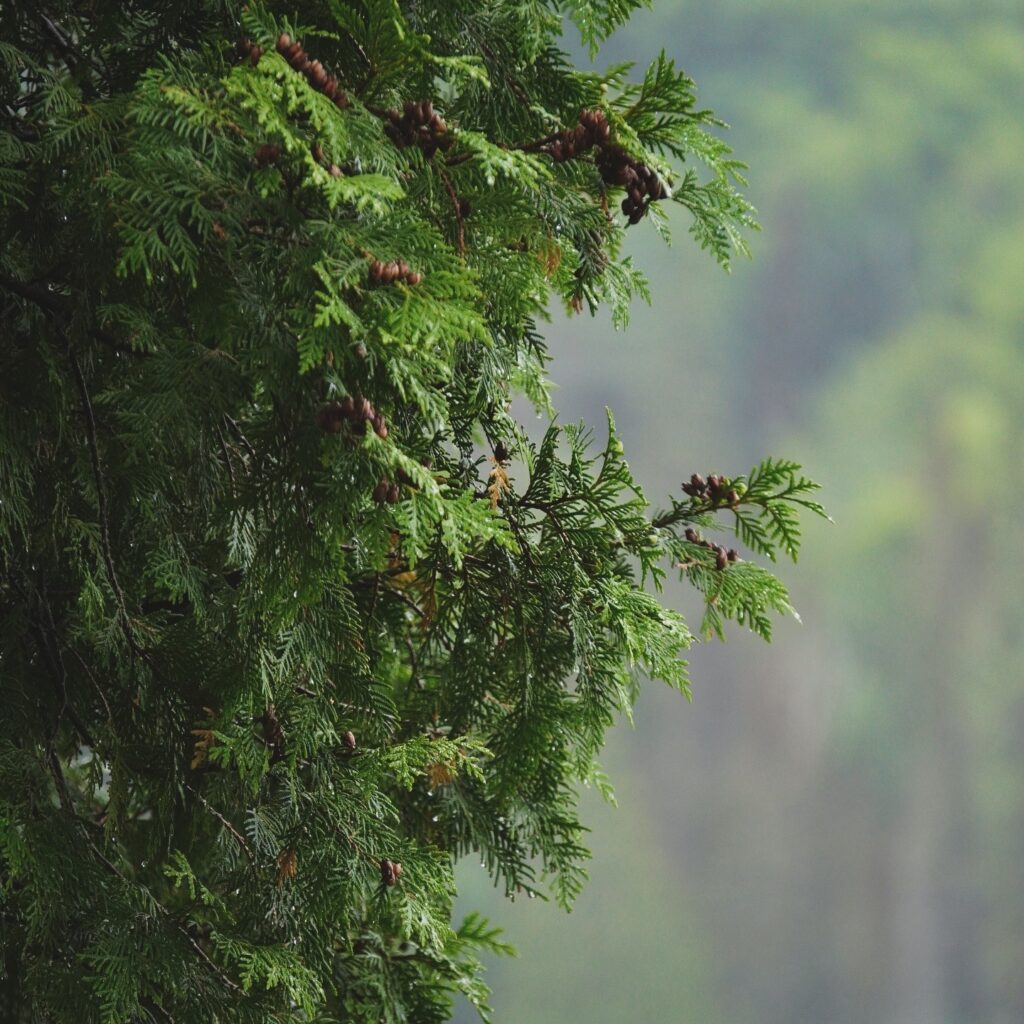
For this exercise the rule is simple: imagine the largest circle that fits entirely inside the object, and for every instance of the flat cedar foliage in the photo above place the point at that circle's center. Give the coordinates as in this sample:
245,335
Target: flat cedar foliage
294,613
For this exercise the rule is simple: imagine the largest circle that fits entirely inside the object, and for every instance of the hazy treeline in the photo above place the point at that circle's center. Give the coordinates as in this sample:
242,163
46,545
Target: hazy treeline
834,830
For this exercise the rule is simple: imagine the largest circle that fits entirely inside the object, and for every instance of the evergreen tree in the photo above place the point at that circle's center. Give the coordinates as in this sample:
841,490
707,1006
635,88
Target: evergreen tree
294,613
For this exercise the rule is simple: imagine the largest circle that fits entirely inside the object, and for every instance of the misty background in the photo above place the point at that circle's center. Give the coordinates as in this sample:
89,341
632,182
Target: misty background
833,831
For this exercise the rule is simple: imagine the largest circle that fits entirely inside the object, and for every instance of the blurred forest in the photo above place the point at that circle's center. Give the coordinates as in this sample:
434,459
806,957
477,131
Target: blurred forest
834,830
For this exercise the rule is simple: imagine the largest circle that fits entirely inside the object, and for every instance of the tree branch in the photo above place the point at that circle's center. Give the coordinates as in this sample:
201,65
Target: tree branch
239,838
101,496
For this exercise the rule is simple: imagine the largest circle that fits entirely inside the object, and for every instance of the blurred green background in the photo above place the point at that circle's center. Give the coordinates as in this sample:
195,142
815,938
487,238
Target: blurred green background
834,830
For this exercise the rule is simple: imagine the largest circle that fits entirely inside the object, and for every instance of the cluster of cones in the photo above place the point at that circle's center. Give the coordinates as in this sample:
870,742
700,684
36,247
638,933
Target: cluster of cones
317,76
592,130
356,412
390,871
722,557
395,270
642,184
390,492
714,490
387,492
418,124
616,166
247,48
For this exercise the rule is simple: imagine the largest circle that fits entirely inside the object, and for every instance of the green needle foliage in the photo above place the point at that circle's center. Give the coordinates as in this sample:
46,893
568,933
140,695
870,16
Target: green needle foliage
292,612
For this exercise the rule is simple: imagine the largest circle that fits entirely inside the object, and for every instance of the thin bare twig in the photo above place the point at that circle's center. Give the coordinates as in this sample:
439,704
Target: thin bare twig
203,955
96,685
457,207
239,838
241,437
61,38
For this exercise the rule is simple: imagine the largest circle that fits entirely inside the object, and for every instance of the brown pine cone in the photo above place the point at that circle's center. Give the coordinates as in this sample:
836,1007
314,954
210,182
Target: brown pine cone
330,417
267,154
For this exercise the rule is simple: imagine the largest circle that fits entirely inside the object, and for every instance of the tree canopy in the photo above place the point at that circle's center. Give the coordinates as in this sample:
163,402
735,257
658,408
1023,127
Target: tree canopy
294,611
